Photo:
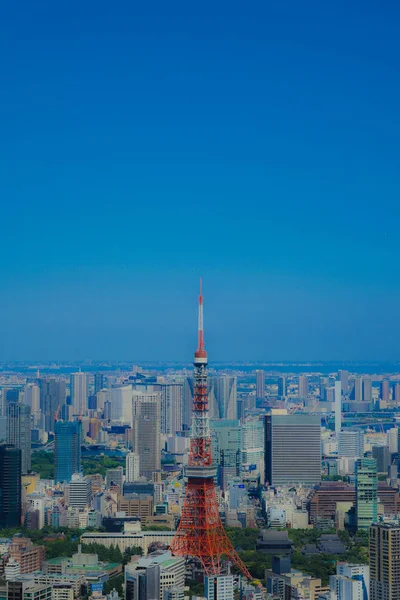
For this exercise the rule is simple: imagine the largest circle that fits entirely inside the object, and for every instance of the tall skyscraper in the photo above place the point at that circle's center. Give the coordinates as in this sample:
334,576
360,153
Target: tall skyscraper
358,389
260,385
282,387
303,386
344,380
384,561
222,394
171,407
338,406
222,397
292,449
367,389
132,467
10,486
53,396
396,392
79,393
253,445
67,449
384,393
146,425
98,383
121,403
19,432
226,443
366,493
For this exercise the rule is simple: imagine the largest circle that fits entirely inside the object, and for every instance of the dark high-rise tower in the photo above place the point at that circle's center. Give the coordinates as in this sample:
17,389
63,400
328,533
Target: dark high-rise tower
52,397
19,432
10,486
200,533
67,449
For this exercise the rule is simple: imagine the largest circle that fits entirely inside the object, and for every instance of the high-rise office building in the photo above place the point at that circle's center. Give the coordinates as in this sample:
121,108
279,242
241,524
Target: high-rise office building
292,449
132,467
351,582
383,458
146,426
226,440
303,386
366,484
385,390
19,432
282,386
338,407
396,392
260,385
222,398
32,399
171,407
357,391
10,486
53,396
114,476
367,389
79,491
79,393
98,382
323,386
67,453
344,380
253,445
384,561
121,403
351,443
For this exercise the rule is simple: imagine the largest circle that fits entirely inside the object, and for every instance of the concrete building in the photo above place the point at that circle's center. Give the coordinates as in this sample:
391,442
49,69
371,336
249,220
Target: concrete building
121,403
149,578
79,393
351,443
338,407
127,539
32,399
19,432
146,425
226,440
366,485
303,386
219,587
114,477
171,407
351,582
384,561
367,389
29,556
292,449
132,469
79,491
253,446
136,505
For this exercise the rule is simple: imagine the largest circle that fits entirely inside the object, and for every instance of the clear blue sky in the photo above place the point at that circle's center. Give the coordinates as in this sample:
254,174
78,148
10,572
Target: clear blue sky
143,144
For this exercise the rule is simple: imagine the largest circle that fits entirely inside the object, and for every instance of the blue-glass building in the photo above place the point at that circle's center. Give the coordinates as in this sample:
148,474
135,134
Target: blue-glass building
67,449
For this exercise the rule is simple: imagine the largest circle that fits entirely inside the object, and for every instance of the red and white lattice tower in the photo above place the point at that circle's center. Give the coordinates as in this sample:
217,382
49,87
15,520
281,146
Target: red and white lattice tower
200,534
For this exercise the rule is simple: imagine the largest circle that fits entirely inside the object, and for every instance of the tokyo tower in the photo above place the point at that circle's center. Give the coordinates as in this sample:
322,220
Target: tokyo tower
200,534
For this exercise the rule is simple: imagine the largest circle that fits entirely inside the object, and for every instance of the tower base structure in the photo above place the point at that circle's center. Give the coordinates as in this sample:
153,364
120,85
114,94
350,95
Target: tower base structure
200,534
